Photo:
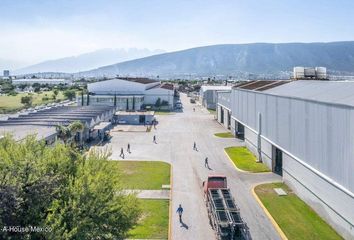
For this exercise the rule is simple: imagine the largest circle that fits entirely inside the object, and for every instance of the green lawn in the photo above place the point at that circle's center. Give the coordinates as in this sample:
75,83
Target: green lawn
10,104
224,135
154,221
212,111
296,219
145,175
245,160
164,113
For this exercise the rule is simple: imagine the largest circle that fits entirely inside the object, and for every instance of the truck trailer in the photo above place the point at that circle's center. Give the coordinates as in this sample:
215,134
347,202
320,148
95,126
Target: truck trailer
224,215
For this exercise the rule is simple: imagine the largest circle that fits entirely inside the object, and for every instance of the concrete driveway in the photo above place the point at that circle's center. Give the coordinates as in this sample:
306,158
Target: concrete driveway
175,136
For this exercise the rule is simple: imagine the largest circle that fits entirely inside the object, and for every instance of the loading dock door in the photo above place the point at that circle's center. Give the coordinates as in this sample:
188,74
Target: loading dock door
240,131
277,161
141,119
228,120
222,115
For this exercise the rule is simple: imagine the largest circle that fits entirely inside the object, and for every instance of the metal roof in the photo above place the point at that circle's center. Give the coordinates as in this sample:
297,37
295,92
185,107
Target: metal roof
261,85
102,126
62,115
338,92
19,132
126,113
167,86
215,87
138,80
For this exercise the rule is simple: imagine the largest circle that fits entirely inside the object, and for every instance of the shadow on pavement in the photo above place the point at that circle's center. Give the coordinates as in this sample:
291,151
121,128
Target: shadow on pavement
184,225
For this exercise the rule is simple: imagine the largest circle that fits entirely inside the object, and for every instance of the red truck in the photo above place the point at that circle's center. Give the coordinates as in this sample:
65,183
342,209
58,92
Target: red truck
224,215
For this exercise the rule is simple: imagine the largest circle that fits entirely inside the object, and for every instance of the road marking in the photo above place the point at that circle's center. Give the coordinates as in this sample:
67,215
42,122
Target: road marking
274,223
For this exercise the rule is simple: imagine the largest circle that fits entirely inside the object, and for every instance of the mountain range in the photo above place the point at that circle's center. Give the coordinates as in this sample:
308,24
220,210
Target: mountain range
229,59
88,61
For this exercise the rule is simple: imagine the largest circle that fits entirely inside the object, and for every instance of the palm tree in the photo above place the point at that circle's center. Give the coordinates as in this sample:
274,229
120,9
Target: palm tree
64,133
76,127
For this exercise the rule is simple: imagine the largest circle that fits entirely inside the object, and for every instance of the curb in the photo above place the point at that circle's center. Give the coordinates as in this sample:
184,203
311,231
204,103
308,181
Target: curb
170,207
274,223
240,170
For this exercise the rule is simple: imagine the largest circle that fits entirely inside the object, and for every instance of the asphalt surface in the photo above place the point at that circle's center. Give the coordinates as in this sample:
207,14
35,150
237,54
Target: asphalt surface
175,136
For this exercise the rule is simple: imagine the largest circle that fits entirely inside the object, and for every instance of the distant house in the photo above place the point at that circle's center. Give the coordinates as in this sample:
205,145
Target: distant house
208,95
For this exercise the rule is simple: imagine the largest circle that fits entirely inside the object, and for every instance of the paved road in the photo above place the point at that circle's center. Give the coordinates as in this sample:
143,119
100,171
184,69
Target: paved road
175,136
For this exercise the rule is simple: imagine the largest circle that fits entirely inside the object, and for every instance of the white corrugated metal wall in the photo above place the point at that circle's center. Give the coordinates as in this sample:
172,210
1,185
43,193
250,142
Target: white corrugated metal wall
317,140
315,137
320,134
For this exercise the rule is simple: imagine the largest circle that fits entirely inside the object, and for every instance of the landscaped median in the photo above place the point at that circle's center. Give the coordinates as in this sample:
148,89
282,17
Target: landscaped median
148,175
154,221
212,111
224,135
164,112
144,175
245,160
294,217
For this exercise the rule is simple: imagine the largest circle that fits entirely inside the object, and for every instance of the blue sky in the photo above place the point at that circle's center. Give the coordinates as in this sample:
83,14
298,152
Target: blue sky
36,30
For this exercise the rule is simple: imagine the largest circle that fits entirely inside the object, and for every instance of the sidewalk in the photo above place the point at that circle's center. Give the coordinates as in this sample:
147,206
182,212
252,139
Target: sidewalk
149,194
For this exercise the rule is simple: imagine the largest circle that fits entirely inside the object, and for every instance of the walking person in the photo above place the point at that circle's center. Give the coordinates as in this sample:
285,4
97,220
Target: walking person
121,153
195,146
206,162
154,139
128,148
180,212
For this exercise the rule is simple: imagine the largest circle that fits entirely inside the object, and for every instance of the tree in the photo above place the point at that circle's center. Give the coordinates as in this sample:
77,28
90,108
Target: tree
70,94
36,85
7,87
22,86
63,133
55,93
66,133
94,207
75,128
77,196
158,103
164,103
26,100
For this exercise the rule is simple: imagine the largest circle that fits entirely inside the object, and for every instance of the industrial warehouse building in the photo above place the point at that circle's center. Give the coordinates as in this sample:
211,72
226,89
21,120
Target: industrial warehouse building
96,119
304,131
208,95
129,94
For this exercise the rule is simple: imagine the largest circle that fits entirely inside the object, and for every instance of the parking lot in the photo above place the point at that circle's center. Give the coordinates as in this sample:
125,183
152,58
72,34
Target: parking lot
175,135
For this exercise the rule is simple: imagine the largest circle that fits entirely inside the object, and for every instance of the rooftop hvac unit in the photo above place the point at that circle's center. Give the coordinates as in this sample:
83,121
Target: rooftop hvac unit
299,72
321,72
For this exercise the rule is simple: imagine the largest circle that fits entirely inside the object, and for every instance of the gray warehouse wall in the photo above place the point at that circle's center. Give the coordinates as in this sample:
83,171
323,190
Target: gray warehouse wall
319,134
316,139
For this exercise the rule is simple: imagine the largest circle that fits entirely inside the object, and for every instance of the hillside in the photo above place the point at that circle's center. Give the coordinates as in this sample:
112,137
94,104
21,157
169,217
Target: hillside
265,58
87,61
